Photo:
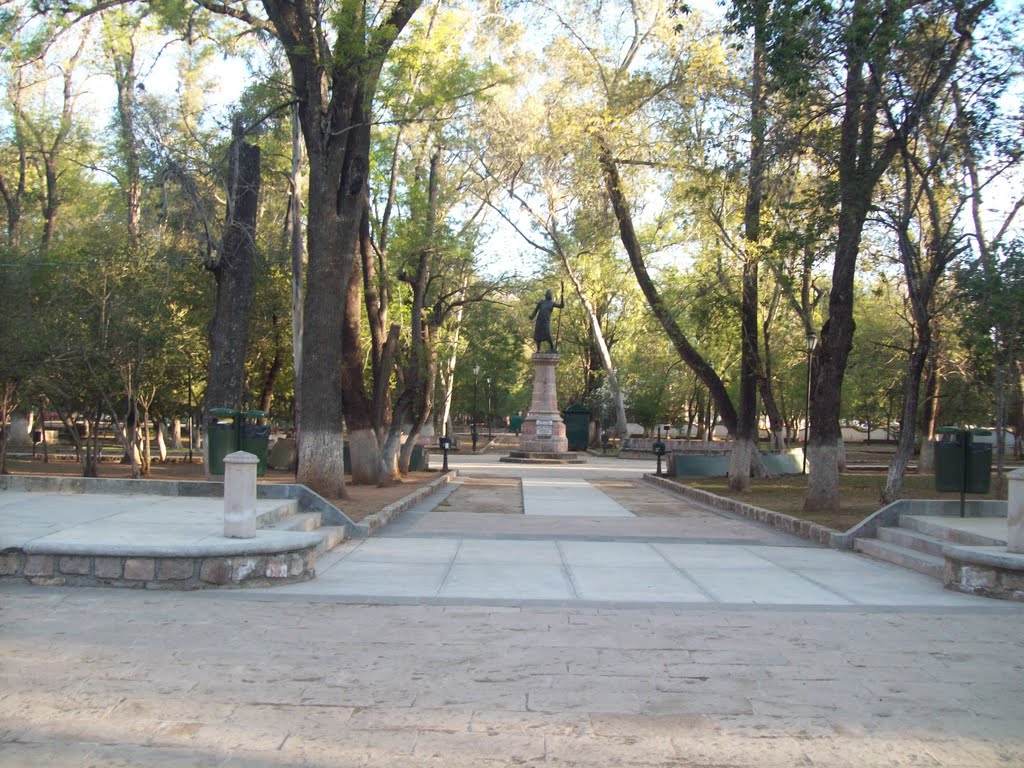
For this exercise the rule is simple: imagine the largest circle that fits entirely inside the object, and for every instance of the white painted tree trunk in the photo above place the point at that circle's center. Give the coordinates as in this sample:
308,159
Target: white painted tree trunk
823,476
739,464
161,439
364,455
448,372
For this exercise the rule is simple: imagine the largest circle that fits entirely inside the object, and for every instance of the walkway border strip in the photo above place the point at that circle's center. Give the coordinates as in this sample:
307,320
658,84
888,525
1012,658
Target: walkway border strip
796,526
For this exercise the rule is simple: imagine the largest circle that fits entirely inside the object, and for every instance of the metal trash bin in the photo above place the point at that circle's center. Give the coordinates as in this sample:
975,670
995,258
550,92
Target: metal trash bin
254,438
979,461
577,427
221,437
963,462
949,459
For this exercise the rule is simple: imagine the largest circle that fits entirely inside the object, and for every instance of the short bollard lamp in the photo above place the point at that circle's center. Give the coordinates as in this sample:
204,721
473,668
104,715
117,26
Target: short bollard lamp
659,450
445,443
472,429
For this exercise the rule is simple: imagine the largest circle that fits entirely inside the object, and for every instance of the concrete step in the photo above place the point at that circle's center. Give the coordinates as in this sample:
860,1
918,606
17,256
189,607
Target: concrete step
311,522
282,511
333,535
931,526
300,521
911,539
930,565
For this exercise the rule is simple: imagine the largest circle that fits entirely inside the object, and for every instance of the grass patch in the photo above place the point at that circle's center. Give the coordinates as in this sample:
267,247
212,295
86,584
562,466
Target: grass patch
860,493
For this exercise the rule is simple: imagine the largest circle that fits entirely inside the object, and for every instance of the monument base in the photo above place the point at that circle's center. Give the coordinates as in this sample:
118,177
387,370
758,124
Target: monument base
543,430
542,457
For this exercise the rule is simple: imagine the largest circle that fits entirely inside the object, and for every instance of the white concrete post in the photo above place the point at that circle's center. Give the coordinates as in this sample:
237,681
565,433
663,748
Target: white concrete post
1015,513
240,495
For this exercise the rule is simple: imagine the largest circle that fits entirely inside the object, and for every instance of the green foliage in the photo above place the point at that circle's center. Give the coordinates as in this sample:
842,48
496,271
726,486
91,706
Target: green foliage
991,295
873,387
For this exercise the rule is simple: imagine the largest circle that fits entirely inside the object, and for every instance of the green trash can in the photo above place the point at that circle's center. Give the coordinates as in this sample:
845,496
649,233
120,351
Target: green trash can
221,437
963,462
949,459
515,424
979,461
254,438
577,427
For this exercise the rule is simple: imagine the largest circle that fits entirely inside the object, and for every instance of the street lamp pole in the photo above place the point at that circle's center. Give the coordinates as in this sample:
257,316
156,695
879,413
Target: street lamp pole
812,342
489,417
472,429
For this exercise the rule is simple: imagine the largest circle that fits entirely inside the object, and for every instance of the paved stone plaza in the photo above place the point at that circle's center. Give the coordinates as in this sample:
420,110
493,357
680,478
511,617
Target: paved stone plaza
824,659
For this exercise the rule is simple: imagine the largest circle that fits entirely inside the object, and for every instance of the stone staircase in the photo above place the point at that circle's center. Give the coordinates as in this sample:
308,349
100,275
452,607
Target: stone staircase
308,522
917,543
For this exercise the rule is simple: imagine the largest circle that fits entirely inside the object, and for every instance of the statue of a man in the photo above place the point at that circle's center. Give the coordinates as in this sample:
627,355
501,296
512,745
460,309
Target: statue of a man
542,328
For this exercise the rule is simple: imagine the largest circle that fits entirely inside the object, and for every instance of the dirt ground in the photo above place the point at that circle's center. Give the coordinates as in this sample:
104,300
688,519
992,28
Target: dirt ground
362,500
496,495
639,498
504,495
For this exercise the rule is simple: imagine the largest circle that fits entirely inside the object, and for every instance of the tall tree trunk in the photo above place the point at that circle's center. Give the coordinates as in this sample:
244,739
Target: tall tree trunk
856,187
13,189
448,374
862,161
298,253
908,431
933,384
131,183
421,371
746,434
604,353
363,436
233,271
631,243
273,369
7,405
334,91
1016,407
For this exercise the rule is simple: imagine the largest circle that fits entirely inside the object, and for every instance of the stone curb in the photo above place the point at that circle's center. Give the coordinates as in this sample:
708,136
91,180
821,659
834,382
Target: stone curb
805,529
371,523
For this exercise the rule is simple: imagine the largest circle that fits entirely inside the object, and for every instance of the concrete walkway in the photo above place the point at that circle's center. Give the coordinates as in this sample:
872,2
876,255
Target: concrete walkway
576,546
459,639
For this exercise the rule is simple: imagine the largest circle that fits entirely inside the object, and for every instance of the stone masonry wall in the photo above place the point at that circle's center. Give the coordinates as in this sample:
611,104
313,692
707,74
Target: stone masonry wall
181,573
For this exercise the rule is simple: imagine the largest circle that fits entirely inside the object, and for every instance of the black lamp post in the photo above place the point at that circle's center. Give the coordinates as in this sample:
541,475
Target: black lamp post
490,417
472,429
812,342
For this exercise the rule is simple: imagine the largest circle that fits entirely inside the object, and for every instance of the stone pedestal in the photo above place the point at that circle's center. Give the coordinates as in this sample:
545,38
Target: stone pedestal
240,495
543,428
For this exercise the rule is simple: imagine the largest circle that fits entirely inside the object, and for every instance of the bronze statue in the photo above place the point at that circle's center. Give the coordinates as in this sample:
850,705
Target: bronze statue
542,328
